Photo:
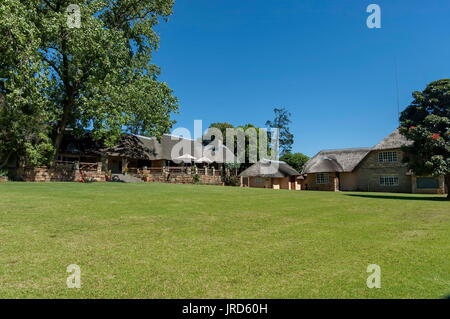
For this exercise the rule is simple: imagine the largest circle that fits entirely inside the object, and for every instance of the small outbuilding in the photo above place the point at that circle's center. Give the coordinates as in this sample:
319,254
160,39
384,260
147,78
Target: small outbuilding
271,174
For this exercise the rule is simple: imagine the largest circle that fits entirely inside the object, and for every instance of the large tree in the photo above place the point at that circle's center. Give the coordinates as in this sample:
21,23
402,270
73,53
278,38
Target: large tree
296,160
281,122
233,145
426,121
25,111
98,77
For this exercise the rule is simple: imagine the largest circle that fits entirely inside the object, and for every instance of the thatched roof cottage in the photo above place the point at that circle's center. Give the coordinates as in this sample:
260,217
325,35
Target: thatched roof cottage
270,174
375,169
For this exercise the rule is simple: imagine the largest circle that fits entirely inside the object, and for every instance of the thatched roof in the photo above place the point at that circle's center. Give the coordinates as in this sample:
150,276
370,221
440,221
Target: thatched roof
393,140
168,147
268,168
341,160
346,160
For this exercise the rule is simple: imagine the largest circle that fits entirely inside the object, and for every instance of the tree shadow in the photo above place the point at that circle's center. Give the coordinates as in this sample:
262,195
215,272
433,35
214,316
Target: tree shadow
405,197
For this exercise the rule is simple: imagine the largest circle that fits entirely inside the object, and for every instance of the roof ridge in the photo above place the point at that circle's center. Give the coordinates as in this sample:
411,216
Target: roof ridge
346,149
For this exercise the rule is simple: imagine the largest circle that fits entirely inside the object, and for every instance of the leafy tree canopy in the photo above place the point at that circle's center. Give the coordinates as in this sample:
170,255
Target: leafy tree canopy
223,126
296,160
98,76
426,121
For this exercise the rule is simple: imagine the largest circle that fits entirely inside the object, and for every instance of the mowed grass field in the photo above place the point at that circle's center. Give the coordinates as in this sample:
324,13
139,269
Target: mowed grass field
154,240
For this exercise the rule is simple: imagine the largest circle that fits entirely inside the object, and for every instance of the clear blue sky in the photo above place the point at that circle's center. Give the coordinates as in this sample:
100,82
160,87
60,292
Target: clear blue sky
235,60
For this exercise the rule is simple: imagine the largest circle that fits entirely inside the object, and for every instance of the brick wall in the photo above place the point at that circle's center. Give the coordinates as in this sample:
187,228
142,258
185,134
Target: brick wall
260,182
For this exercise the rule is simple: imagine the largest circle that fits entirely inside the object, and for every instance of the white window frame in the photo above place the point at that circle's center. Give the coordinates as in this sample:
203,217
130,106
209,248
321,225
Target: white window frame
389,180
388,157
322,178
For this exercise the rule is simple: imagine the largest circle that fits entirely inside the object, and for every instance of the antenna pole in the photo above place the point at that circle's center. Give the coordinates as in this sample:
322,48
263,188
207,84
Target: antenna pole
396,87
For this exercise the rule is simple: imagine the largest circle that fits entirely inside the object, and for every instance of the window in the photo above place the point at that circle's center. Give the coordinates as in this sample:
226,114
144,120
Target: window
322,178
387,157
388,180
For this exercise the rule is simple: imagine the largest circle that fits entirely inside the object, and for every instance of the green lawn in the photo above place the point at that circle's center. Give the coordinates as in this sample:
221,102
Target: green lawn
186,241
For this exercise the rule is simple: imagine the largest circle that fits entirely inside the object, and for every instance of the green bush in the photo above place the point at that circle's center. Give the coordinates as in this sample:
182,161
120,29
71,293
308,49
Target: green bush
232,181
196,179
3,173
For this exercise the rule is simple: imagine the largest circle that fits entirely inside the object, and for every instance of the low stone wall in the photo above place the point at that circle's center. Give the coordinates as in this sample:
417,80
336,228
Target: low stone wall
184,179
45,174
3,179
59,174
440,190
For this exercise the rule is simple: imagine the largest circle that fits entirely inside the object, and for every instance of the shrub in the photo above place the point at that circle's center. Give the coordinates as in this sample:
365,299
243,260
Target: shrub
196,179
231,181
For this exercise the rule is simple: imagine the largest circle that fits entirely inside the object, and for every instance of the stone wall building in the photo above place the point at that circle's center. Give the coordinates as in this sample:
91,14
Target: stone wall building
376,169
145,158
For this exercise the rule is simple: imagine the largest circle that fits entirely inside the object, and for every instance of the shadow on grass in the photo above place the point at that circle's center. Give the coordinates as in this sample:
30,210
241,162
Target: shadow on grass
405,197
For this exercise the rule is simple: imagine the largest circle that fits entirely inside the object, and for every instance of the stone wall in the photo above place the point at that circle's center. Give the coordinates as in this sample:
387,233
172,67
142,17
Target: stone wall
184,179
369,172
45,174
348,181
440,190
309,183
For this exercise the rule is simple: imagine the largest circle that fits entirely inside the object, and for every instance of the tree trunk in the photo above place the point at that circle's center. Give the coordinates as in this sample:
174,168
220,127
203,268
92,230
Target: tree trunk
69,100
447,183
67,111
5,161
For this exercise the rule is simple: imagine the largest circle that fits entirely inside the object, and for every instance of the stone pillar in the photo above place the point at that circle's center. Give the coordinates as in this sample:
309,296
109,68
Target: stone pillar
413,184
124,163
206,171
99,167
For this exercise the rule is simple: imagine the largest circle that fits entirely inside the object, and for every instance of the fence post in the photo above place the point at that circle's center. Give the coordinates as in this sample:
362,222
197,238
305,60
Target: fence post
213,171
